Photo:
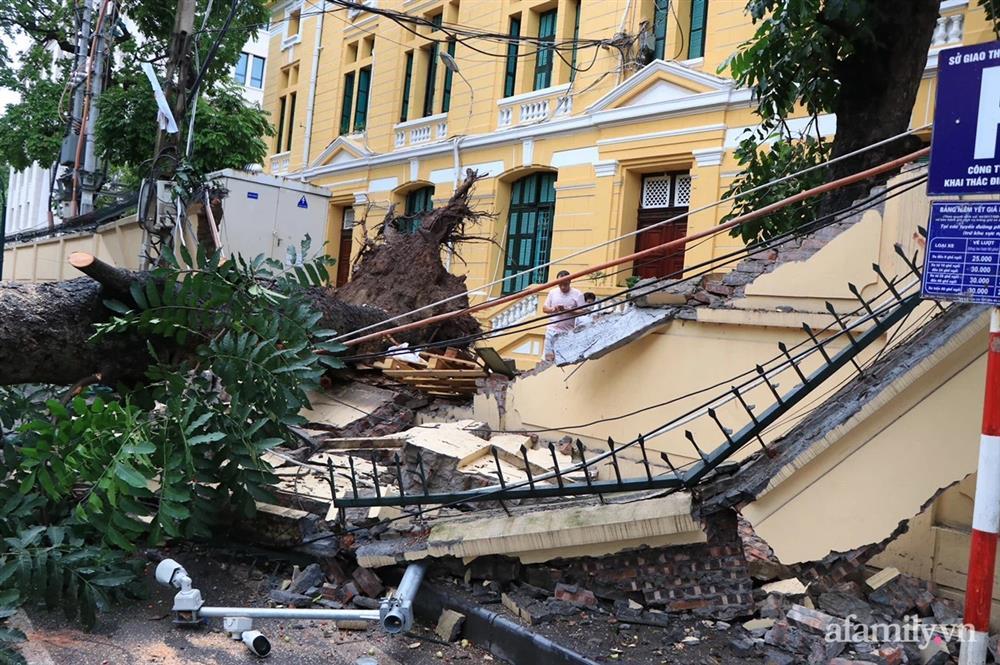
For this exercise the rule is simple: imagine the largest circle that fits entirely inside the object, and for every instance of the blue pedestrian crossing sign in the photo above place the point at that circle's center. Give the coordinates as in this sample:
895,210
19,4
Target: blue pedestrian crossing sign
963,252
303,203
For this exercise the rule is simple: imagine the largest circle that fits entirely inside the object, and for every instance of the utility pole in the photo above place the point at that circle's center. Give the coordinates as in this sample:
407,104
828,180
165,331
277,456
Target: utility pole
67,156
89,181
178,74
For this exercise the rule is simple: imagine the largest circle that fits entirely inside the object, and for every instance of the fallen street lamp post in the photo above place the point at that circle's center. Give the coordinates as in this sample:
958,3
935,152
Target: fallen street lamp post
395,614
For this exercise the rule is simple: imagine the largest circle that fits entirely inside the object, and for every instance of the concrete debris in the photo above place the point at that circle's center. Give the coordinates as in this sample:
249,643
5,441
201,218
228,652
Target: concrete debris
368,582
789,587
881,578
310,577
605,333
449,627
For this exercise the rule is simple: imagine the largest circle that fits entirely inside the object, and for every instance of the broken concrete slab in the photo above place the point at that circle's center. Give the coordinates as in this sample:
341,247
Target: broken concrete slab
881,578
343,405
311,576
449,626
603,334
549,532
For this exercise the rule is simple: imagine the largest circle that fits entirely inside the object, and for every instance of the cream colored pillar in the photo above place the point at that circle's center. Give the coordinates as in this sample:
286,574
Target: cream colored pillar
705,178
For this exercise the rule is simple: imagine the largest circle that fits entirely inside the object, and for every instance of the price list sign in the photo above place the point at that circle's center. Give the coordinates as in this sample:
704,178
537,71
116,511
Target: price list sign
963,253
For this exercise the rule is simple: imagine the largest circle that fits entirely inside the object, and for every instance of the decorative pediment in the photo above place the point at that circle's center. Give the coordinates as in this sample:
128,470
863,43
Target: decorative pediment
340,151
660,81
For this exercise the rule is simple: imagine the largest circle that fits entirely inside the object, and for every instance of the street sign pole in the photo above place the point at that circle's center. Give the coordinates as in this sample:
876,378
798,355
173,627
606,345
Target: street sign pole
986,513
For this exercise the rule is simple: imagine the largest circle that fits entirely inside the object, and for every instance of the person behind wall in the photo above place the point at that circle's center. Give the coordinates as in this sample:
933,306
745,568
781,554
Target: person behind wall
560,299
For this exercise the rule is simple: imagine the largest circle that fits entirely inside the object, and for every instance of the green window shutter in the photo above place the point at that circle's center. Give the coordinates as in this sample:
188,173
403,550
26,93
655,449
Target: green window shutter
429,84
529,231
576,38
418,201
364,86
281,124
446,94
345,107
510,74
543,57
291,120
696,38
660,10
407,81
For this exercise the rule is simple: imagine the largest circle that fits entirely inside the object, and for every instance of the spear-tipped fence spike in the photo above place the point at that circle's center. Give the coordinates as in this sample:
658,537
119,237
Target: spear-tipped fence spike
666,458
763,375
583,460
818,344
847,331
645,460
922,230
399,474
614,460
725,432
864,303
555,464
496,460
527,466
331,477
889,283
690,437
420,470
354,478
746,407
784,350
378,490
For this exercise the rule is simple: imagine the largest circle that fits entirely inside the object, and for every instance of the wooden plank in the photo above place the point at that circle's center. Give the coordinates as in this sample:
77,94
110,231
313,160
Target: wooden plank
447,359
455,373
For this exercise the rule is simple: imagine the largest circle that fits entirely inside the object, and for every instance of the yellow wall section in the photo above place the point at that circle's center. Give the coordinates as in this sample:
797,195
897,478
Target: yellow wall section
600,157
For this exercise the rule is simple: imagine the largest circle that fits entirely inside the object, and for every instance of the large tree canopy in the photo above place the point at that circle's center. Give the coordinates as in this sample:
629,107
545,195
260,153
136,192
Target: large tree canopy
860,59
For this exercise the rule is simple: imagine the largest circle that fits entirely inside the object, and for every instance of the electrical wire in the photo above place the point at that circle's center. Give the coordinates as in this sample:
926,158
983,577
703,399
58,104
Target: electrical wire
783,364
706,267
714,204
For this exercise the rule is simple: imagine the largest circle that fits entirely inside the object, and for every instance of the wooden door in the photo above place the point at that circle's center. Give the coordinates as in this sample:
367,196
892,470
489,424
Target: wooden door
668,264
344,257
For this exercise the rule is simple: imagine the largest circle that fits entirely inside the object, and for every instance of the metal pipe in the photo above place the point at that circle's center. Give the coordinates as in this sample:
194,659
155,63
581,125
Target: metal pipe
412,578
397,614
283,613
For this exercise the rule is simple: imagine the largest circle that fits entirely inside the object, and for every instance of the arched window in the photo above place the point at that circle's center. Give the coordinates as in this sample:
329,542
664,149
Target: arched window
529,230
417,201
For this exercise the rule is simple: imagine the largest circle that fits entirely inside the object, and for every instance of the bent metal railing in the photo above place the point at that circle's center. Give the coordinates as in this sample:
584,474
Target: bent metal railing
872,319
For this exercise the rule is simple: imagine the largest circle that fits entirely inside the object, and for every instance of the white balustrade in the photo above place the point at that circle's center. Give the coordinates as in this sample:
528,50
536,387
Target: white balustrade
420,134
421,130
280,163
949,30
533,107
518,311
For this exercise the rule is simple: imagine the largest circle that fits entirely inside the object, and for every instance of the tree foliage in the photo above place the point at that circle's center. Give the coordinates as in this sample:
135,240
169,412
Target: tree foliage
33,128
813,57
86,479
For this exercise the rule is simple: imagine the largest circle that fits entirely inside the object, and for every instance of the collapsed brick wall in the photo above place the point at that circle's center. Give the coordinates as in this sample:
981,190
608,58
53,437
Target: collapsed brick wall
708,579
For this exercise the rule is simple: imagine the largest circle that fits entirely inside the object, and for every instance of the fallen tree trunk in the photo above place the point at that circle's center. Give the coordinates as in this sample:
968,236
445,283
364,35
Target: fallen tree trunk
46,328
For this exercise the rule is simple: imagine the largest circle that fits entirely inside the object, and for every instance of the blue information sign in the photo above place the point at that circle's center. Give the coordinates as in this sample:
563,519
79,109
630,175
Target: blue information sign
963,252
965,158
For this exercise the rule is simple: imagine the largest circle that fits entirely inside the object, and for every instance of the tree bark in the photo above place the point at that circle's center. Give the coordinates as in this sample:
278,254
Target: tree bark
46,328
878,87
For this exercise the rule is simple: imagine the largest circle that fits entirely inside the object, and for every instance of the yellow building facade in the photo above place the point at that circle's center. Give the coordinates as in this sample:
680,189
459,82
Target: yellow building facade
577,147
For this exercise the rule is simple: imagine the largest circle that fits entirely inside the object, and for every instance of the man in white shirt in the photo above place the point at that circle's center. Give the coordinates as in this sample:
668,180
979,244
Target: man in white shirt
562,298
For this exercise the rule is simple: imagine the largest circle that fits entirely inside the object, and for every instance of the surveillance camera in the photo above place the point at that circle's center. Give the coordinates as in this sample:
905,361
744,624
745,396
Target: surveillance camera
259,645
169,570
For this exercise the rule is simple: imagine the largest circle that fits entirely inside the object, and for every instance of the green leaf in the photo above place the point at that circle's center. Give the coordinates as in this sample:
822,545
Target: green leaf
140,448
206,438
117,307
135,289
112,579
127,473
